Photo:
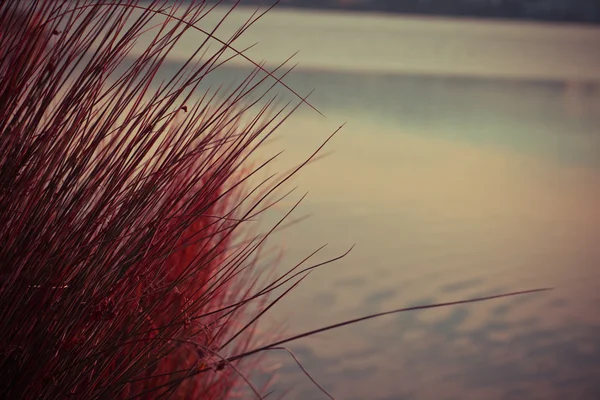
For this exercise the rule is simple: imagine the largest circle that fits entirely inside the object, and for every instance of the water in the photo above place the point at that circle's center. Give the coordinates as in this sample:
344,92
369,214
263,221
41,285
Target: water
457,180
451,189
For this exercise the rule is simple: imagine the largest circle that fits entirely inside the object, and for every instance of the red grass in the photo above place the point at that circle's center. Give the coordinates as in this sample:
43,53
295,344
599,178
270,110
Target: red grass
127,270
120,275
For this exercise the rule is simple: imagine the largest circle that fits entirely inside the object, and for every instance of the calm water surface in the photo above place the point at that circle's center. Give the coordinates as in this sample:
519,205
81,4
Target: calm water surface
451,187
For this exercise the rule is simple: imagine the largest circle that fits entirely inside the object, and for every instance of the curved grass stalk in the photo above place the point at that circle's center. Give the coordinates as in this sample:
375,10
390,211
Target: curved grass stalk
126,206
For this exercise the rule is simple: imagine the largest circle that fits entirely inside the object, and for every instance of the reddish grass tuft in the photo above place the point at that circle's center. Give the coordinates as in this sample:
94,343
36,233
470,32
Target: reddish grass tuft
122,272
127,265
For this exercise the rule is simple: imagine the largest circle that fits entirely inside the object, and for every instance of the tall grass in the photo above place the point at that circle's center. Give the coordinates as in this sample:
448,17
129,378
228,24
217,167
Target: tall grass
128,257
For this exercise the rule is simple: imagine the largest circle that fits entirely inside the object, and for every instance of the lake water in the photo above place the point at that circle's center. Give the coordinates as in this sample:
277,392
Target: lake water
451,189
464,180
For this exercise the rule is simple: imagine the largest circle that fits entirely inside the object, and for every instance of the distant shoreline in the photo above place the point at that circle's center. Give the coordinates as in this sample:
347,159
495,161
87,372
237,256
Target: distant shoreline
588,14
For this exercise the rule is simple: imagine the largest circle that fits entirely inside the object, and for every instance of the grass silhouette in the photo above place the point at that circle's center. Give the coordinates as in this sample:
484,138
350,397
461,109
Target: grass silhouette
129,266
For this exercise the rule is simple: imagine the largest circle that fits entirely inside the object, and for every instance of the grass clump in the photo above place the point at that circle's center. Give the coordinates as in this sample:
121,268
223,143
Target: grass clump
128,263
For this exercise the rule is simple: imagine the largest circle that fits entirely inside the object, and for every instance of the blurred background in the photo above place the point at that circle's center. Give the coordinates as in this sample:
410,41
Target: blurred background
469,165
540,10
